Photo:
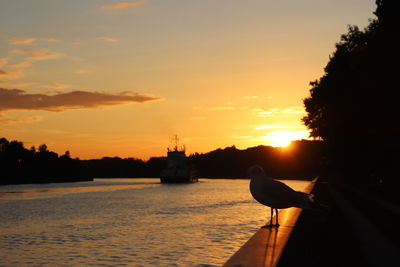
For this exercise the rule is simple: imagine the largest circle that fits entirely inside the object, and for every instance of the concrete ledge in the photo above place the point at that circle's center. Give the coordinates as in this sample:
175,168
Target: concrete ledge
265,247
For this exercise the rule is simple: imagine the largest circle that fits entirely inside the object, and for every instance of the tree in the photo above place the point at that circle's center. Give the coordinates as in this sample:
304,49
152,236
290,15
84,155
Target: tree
353,106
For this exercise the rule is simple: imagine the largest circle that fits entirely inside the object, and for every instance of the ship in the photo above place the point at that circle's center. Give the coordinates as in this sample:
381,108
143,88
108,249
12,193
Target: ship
178,170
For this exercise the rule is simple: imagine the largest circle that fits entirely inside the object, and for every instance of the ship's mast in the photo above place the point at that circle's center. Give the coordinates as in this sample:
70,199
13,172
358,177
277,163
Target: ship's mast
175,142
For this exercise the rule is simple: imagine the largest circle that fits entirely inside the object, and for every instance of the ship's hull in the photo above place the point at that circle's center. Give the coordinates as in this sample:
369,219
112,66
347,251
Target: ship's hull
177,169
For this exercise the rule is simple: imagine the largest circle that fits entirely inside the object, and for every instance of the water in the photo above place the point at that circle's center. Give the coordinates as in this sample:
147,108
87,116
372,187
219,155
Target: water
134,222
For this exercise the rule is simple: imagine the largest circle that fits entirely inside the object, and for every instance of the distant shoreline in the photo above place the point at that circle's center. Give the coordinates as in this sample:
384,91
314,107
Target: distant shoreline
73,180
44,181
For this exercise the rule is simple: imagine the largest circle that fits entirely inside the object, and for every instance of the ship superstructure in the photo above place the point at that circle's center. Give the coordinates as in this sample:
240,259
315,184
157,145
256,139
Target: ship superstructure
177,170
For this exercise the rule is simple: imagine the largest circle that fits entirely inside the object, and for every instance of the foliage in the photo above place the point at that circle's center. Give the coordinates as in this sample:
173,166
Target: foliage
353,106
20,165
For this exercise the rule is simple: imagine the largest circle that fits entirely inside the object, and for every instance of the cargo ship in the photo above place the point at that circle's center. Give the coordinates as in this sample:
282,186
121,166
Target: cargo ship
177,170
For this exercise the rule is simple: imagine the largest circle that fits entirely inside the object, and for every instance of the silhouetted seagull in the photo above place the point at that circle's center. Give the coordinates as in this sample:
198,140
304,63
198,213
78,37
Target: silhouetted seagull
275,194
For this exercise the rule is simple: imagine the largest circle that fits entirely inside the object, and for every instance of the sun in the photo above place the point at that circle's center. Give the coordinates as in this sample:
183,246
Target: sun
283,138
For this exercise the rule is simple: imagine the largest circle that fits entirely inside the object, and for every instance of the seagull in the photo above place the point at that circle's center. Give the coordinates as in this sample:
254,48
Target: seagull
275,194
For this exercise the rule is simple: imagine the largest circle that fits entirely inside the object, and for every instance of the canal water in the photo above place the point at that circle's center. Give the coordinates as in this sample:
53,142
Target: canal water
127,222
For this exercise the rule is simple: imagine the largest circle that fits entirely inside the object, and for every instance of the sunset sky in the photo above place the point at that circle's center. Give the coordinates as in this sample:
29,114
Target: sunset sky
114,78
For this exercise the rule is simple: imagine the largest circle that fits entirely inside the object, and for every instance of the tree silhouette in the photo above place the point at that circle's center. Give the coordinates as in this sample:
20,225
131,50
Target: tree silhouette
353,106
20,165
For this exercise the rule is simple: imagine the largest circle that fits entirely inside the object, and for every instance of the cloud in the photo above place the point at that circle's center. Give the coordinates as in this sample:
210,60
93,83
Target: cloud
29,40
22,40
10,75
17,99
50,40
29,119
37,54
81,72
57,86
262,113
122,5
295,110
279,125
222,108
268,126
241,136
15,84
3,62
107,39
77,43
21,65
214,108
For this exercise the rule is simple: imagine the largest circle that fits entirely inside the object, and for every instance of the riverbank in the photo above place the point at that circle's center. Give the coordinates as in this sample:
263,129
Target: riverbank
344,234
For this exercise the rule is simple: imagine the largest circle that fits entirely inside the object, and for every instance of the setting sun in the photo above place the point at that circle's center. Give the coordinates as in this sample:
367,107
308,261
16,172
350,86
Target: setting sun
283,138
149,70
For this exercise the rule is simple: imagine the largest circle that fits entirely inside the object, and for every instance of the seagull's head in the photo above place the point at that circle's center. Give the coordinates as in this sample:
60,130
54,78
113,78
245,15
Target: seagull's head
255,170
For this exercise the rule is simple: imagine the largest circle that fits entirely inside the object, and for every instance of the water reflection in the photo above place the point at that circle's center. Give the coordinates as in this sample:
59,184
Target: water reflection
131,222
54,190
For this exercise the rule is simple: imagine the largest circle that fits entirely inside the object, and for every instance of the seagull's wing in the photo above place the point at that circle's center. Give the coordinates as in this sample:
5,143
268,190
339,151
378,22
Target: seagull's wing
274,193
284,196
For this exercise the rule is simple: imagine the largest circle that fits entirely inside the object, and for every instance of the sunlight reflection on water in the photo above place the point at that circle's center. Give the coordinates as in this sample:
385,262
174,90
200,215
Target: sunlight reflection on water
137,222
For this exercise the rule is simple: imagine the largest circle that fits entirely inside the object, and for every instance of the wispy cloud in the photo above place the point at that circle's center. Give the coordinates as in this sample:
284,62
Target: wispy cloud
294,110
29,40
50,40
17,99
121,5
57,86
15,84
10,75
107,39
214,108
37,54
3,61
280,125
21,65
241,136
222,108
22,40
262,113
268,126
81,71
29,119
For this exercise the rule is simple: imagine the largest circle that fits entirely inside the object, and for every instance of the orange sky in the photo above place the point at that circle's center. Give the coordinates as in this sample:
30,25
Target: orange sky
119,78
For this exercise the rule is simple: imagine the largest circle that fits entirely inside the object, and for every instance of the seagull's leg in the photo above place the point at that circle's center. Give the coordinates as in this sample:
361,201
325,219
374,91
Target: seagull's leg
277,220
270,221
272,216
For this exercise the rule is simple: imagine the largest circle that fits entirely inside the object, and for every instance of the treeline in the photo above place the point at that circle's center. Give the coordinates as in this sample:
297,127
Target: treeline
302,160
19,165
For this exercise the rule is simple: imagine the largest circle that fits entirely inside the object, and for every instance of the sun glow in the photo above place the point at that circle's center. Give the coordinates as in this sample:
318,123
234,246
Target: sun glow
283,138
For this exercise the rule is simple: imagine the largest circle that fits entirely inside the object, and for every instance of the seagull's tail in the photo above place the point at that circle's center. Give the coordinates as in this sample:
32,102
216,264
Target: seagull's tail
314,205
